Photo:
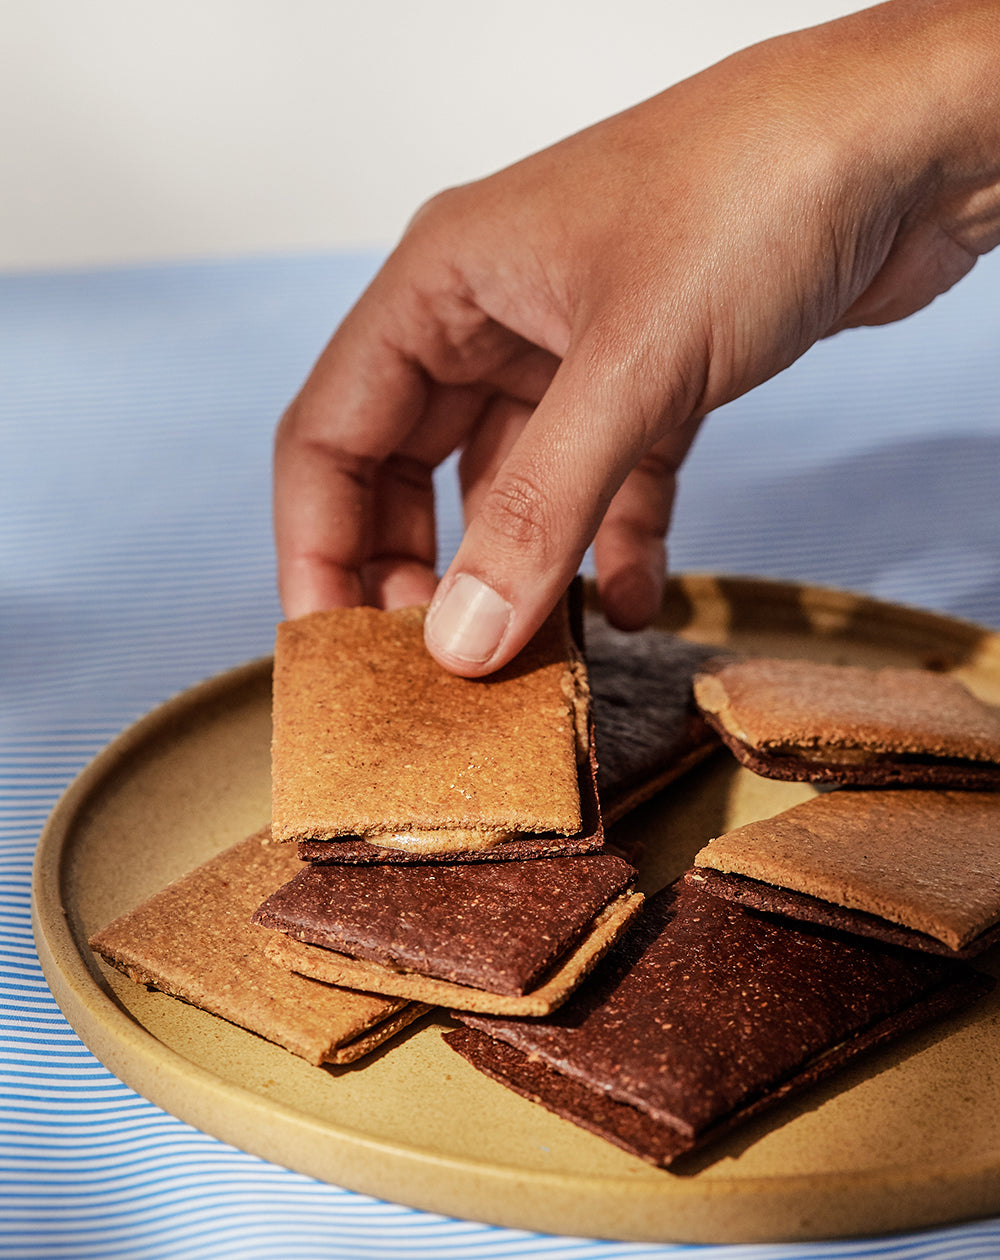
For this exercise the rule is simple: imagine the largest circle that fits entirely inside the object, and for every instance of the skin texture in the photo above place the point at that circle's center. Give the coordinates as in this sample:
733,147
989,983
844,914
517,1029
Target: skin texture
567,322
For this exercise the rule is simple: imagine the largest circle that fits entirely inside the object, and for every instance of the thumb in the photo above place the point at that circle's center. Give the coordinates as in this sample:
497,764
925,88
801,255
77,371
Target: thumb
531,528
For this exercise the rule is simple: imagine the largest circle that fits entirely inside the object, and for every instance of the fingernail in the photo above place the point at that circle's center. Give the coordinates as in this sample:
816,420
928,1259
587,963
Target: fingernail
468,621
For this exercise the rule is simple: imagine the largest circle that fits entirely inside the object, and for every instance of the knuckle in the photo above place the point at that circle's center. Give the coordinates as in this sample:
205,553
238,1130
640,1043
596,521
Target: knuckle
438,211
658,465
517,511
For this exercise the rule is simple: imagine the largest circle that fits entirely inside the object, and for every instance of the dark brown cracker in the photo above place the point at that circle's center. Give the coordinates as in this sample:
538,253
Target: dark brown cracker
823,723
494,926
551,991
648,730
705,1013
194,940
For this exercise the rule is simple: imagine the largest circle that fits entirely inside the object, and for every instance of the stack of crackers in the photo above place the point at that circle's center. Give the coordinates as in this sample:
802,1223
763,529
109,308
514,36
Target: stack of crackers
796,942
439,842
412,811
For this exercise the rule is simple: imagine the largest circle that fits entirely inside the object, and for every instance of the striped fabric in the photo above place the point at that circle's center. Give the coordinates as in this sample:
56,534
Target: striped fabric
136,412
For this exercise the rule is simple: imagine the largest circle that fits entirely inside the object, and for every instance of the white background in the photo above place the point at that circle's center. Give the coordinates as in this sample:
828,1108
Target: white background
142,130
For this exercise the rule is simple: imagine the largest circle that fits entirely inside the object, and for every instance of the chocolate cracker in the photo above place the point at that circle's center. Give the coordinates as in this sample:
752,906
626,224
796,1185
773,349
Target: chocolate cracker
923,860
843,724
551,991
493,926
374,739
194,941
705,1014
648,729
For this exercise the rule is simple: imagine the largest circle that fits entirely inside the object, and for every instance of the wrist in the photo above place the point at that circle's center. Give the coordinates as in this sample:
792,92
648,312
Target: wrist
932,70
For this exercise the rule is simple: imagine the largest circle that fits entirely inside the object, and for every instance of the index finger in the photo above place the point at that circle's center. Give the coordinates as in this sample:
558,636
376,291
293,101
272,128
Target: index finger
360,400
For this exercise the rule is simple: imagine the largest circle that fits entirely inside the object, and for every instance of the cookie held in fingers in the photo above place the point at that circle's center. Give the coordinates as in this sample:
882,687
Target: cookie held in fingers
844,724
194,940
376,743
648,734
357,851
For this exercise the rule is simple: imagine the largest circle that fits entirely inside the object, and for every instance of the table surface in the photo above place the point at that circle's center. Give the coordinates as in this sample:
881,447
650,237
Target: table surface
136,414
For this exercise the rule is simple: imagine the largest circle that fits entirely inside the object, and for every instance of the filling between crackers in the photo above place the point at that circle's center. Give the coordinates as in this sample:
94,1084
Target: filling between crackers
450,840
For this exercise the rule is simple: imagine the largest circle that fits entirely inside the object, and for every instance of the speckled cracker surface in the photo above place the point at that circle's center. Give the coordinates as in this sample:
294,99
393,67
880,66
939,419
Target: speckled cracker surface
927,860
372,736
553,989
794,719
705,1013
194,940
498,926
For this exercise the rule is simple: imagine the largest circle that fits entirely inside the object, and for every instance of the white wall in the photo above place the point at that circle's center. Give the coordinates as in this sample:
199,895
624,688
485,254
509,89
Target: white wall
157,129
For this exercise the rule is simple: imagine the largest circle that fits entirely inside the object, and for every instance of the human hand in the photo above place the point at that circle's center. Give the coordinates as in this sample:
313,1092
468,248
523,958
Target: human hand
567,322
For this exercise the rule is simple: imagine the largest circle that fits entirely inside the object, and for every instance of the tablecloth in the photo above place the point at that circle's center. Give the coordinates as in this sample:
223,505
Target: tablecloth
136,415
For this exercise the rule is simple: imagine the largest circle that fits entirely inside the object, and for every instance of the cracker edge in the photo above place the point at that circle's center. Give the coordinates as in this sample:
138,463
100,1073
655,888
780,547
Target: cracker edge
379,1034
347,1050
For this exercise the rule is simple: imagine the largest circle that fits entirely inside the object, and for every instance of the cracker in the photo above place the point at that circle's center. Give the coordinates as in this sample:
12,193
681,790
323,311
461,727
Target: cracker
928,861
648,733
373,738
495,926
589,839
824,723
766,898
648,730
704,1015
194,941
554,988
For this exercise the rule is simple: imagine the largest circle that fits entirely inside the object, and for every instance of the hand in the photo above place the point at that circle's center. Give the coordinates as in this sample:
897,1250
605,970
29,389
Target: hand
567,322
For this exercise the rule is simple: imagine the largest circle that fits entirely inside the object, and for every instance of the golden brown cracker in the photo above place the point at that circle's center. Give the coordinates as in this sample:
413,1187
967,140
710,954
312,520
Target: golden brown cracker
797,719
372,737
927,860
194,940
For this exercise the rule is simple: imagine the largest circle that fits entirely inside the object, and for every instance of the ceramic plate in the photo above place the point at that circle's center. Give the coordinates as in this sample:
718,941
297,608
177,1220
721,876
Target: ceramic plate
908,1138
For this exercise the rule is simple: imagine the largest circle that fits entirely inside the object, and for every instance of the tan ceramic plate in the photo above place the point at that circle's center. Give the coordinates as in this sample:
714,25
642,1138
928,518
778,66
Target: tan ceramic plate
908,1139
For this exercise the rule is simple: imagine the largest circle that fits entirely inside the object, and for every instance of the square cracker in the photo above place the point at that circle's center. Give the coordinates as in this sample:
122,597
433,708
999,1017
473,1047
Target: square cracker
648,733
494,926
372,737
929,861
326,964
826,723
194,940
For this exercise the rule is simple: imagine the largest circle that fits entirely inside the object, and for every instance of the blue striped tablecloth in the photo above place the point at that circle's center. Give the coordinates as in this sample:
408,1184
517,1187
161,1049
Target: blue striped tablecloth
136,413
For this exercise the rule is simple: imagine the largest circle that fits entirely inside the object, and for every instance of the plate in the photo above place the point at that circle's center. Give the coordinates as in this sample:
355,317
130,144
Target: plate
906,1139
